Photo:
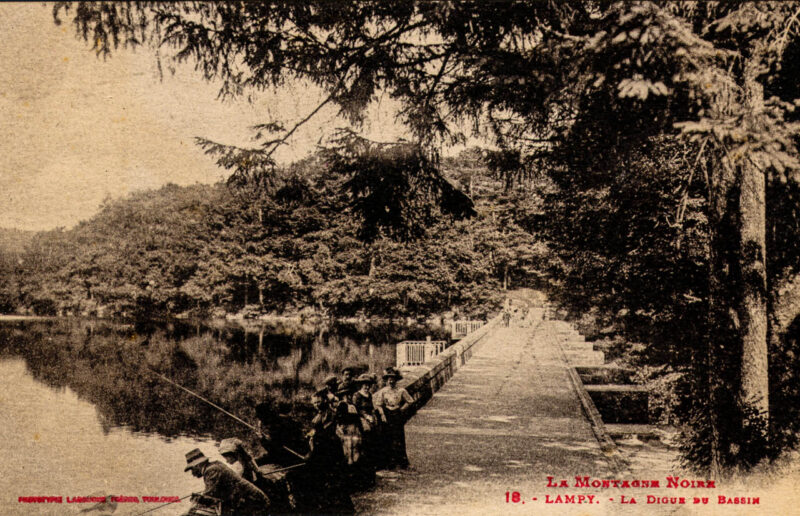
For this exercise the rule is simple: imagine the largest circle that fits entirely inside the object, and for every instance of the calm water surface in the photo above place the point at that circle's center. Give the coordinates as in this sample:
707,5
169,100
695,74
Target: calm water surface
81,413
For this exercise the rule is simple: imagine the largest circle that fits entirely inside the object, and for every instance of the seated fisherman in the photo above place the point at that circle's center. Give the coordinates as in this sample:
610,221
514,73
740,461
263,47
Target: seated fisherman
235,494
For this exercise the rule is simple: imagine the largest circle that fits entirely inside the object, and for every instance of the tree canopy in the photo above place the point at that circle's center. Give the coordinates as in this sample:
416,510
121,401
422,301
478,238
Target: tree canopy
294,248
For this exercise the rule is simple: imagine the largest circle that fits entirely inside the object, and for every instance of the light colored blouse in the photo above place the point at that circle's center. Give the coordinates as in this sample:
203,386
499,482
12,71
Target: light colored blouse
391,398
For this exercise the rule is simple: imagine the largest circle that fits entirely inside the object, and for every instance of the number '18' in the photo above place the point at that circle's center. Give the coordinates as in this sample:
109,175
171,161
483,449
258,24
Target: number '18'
513,497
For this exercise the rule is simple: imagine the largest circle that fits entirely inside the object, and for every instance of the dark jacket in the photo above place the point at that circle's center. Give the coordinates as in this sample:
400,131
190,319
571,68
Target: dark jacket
363,403
238,496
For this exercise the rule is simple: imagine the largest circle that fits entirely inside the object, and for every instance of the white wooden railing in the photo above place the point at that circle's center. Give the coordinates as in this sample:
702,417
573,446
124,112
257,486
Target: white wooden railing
417,352
461,329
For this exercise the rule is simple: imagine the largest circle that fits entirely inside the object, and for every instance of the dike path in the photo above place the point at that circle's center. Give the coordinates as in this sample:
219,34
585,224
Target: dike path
508,419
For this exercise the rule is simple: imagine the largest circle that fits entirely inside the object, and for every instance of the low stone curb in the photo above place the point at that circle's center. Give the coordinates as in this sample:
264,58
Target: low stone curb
607,445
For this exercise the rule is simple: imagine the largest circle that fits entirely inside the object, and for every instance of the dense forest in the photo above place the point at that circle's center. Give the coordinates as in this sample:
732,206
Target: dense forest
292,246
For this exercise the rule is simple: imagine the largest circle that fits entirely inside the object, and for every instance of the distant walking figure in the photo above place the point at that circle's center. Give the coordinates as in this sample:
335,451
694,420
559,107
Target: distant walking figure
391,403
506,318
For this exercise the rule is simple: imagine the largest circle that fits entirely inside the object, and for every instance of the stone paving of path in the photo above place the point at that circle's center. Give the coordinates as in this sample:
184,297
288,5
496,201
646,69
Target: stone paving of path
505,421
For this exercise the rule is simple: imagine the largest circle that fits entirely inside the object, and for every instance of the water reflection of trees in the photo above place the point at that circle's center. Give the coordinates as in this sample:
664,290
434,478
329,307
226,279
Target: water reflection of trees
107,364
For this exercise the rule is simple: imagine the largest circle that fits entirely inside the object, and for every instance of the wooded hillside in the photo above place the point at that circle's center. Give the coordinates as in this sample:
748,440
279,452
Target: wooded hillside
295,245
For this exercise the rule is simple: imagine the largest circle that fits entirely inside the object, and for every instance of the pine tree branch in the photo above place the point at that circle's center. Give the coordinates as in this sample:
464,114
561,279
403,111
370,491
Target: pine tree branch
274,144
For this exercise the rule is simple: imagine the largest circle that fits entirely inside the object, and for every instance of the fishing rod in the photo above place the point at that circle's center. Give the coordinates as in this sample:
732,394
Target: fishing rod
234,416
190,494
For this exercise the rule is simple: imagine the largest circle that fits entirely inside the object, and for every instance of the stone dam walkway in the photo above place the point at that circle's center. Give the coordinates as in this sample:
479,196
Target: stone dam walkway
507,419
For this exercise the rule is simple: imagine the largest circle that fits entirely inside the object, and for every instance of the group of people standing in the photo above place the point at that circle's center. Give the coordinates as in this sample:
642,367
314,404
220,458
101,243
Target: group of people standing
357,429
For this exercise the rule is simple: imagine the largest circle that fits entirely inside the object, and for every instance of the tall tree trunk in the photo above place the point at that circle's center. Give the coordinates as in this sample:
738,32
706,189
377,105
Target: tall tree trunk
754,391
737,343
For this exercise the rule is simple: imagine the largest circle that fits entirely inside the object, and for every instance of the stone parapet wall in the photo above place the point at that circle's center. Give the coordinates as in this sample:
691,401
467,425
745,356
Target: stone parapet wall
422,381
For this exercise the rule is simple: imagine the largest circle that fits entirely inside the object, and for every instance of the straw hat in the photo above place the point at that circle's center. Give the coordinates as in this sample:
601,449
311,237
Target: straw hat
331,380
194,458
365,378
229,445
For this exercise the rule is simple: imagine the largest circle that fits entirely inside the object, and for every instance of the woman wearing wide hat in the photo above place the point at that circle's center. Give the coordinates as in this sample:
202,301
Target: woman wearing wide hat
350,433
391,403
371,443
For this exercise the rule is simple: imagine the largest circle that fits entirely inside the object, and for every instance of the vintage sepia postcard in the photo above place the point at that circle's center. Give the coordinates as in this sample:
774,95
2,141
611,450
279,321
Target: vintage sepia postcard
412,257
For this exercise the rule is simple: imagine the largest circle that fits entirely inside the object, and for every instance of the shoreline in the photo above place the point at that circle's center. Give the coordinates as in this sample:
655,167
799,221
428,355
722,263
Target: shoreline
15,317
240,321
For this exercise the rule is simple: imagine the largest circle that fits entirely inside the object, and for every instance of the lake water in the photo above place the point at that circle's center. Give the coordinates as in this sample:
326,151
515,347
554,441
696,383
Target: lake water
82,414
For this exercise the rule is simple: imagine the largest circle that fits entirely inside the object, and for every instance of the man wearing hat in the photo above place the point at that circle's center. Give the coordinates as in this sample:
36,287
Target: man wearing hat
239,459
391,402
274,485
235,494
347,378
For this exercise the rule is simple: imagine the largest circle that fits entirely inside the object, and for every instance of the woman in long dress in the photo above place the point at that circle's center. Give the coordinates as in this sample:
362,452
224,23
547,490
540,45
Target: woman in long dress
348,430
362,400
323,481
391,403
